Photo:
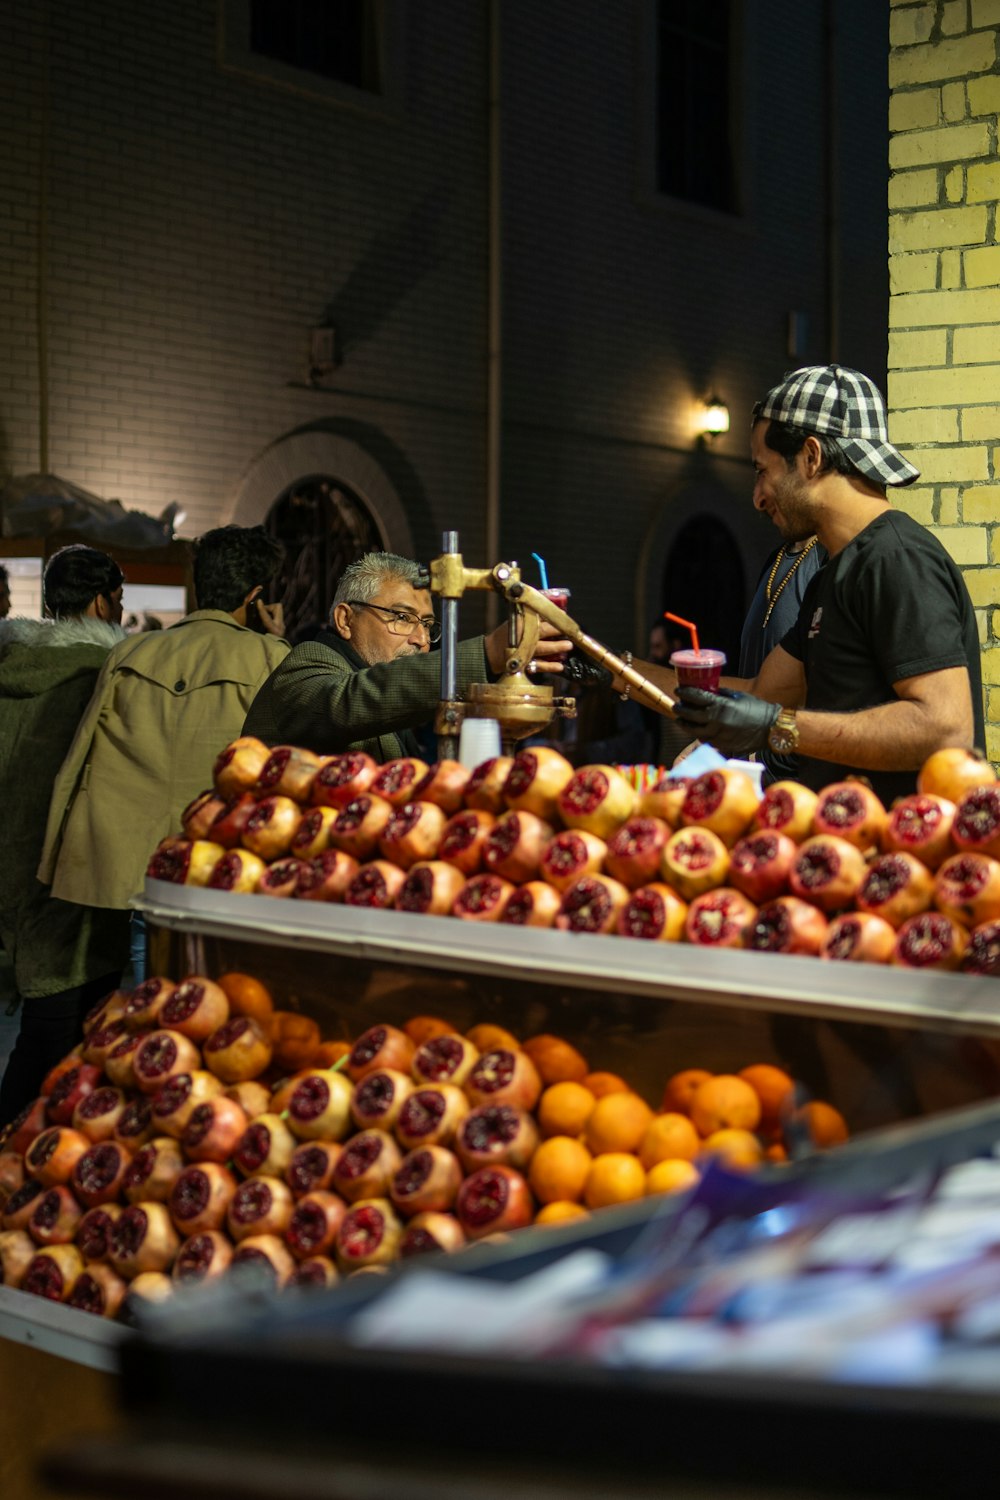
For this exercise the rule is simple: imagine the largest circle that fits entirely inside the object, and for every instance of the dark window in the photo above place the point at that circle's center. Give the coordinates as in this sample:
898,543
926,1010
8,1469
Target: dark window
322,526
337,39
703,582
694,102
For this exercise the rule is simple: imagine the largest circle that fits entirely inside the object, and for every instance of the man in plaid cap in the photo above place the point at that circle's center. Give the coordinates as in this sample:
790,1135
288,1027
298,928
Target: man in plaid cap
882,667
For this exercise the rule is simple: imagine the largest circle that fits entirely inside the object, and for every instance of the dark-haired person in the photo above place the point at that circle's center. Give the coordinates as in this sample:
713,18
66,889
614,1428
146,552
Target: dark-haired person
882,666
165,704
65,957
4,592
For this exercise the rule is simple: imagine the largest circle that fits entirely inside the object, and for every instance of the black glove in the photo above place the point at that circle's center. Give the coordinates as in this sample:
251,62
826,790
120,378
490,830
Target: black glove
735,723
583,669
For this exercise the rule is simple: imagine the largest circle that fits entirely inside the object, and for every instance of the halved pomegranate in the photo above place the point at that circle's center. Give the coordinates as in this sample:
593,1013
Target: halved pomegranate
954,771
761,865
635,850
828,872
505,1075
930,941
598,799
289,772
534,904
896,886
977,822
239,765
967,888
326,876
379,1097
143,1239
483,898
850,810
654,912
787,807
315,1222
570,854
200,1198
535,781
342,778
787,925
720,919
368,1236
313,834
664,800
515,845
444,1059
724,800
426,1179
430,888
203,1257
496,1135
431,1116
592,904
484,789
360,824
429,1232
464,838
493,1200
366,1166
444,784
694,860
859,937
413,833
983,953
381,1046
921,825
376,885
396,780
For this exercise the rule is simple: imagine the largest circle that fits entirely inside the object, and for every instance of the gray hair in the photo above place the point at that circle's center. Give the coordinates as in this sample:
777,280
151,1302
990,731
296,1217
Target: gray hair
363,578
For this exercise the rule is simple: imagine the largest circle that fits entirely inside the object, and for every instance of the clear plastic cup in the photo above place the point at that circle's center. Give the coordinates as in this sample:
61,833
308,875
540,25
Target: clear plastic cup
701,668
478,740
560,597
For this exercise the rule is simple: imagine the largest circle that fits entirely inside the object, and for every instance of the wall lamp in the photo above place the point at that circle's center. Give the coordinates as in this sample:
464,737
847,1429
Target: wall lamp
712,418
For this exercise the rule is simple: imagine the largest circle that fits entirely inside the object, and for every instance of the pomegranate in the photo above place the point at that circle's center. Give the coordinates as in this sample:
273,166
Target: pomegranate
496,1135
427,1179
289,772
173,1104
153,1170
65,1064
93,1233
976,827
694,860
982,956
653,912
413,833
787,925
17,1251
723,801
534,904
203,1257
160,1056
930,941
316,1219
380,1047
99,1175
315,1272
921,825
952,772
515,845
25,1126
859,937
827,871
430,888
483,898
571,854
119,1064
635,850
369,1235
850,810
375,885
199,815
252,1097
464,838
148,1287
11,1174
283,878
271,827
313,834
360,824
20,1205
445,785
319,1106
143,1239
266,1258
73,1086
311,1166
720,919
143,1007
135,1124
366,1166
260,1205
55,1217
895,887
967,888
484,788
505,1075
238,870
342,778
761,864
53,1272
200,1198
493,1200
238,767
379,1097
431,1116
99,1112
230,824
665,800
535,781
592,904
397,780
101,1040
444,1059
266,1147
427,1232
241,1049
52,1156
184,861
787,807
326,876
213,1130
598,799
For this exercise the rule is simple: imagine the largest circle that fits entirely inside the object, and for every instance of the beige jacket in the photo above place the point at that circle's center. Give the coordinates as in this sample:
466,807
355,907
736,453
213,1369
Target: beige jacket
164,705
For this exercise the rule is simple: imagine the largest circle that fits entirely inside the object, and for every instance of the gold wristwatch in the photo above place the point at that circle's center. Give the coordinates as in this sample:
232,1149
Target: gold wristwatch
783,737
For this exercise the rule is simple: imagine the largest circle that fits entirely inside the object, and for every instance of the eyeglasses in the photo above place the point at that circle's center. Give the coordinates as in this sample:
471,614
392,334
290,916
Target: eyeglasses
401,621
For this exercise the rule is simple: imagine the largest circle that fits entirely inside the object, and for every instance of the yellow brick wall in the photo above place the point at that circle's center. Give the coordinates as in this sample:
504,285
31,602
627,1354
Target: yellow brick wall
944,308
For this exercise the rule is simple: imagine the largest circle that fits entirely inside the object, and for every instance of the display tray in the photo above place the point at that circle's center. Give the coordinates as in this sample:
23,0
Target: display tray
61,1331
956,1003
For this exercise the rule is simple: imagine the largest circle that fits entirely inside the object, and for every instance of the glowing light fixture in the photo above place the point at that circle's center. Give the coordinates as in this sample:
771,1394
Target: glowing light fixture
713,418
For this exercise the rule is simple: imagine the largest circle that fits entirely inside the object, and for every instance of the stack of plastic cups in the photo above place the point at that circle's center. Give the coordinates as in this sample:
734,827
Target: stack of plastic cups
478,741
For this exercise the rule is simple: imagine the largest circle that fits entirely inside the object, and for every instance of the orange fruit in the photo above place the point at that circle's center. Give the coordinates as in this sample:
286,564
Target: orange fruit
558,1170
565,1108
723,1102
295,1039
617,1123
671,1176
486,1036
247,996
679,1089
826,1125
556,1059
421,1028
560,1212
600,1084
327,1053
667,1137
772,1086
776,1153
739,1149
615,1177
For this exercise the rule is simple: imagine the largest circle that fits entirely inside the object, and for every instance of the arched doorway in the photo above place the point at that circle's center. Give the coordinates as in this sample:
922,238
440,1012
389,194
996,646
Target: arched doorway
703,581
322,525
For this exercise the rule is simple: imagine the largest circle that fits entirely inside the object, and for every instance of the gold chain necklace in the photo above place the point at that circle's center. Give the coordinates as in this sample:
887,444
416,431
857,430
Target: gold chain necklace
772,599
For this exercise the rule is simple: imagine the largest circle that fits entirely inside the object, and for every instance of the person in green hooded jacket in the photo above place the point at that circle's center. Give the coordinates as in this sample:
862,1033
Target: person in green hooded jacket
65,957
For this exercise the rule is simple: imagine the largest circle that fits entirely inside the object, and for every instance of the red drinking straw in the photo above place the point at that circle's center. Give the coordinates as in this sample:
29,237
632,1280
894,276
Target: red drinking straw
687,625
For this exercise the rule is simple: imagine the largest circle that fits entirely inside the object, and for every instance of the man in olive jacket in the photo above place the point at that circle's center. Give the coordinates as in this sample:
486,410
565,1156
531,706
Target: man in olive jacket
369,680
65,957
164,706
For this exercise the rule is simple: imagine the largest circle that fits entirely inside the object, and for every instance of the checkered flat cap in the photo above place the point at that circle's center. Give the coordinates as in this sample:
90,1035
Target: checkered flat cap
844,405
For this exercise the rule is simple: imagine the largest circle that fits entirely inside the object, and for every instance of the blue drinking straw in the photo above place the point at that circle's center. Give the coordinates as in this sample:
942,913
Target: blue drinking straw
542,569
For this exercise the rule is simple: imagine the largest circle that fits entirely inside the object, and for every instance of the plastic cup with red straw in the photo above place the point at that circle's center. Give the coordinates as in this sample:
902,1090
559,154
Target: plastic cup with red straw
696,666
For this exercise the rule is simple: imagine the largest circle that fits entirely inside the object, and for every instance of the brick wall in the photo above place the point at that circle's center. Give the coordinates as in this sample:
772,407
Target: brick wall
944,306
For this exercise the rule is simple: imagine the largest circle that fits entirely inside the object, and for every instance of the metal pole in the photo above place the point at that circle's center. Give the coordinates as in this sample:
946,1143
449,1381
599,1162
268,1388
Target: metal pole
448,743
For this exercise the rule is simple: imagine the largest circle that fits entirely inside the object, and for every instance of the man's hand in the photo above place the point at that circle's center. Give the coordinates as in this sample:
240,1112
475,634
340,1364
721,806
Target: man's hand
550,652
735,723
272,617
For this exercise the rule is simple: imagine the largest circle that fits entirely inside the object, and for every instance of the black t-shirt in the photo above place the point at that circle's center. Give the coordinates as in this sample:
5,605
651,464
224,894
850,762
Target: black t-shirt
890,605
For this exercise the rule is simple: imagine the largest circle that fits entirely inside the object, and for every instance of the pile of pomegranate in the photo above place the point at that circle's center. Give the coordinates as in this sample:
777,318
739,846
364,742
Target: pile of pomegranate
530,841
197,1128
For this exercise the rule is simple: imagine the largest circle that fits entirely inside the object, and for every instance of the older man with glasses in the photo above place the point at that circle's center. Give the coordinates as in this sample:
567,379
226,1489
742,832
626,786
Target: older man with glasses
367,681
